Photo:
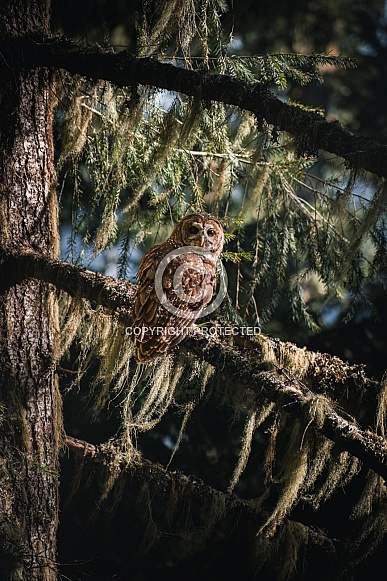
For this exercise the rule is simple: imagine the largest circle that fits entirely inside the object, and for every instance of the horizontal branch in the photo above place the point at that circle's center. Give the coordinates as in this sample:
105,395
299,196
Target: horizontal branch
122,69
156,474
246,365
295,399
112,293
215,508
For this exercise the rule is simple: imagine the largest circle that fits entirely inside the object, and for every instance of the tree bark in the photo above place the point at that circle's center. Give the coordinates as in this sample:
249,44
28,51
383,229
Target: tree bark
31,424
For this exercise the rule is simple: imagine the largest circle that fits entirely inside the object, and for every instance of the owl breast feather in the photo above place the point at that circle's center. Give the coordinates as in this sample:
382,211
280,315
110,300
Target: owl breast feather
188,284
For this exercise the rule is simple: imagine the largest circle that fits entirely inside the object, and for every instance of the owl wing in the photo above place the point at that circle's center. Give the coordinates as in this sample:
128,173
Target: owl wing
146,301
164,324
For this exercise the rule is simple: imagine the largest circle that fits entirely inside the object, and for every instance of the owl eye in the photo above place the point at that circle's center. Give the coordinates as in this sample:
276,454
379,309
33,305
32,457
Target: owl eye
193,230
211,233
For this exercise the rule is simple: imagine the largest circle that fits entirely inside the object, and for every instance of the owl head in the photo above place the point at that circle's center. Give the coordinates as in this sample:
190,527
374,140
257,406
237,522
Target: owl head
200,230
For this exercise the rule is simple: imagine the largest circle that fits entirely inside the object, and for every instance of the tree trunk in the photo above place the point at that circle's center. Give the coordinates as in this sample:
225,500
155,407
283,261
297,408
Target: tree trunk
31,421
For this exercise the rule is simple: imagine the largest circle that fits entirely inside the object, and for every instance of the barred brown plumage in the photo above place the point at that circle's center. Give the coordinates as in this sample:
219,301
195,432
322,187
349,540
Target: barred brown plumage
176,281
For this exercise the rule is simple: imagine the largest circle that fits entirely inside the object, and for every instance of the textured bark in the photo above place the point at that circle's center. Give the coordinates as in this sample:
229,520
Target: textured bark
30,428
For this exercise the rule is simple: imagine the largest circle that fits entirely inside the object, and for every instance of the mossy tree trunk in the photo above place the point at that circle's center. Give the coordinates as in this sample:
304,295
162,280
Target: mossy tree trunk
31,423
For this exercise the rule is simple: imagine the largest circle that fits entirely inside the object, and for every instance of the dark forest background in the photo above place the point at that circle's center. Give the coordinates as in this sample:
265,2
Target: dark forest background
210,445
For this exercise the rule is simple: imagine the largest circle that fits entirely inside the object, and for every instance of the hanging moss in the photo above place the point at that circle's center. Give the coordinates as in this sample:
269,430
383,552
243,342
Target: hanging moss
141,159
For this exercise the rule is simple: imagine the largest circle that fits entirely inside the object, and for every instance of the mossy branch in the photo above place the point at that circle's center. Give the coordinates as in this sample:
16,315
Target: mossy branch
295,399
114,294
123,70
156,474
179,492
247,364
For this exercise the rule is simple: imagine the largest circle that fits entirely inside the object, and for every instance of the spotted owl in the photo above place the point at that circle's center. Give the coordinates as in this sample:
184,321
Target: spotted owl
177,280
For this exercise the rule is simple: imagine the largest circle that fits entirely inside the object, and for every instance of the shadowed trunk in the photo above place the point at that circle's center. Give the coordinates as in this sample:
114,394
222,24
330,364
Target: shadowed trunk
31,425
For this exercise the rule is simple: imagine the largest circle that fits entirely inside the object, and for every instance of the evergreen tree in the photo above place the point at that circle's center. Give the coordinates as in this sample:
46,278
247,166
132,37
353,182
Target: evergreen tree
151,120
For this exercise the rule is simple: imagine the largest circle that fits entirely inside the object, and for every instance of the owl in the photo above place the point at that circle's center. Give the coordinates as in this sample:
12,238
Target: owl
176,281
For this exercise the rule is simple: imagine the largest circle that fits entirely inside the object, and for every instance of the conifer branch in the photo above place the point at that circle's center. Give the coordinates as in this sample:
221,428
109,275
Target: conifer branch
114,294
122,69
246,365
194,492
295,399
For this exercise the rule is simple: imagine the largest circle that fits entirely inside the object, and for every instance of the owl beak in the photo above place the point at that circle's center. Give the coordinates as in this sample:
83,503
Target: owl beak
199,241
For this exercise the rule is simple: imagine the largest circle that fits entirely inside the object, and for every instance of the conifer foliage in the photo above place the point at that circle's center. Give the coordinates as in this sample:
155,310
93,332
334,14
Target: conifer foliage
301,230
